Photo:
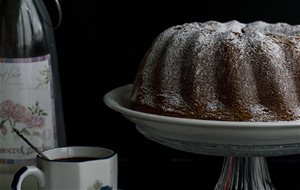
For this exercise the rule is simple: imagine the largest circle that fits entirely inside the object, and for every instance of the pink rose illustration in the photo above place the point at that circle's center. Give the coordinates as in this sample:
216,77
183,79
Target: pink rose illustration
12,114
19,113
35,121
6,108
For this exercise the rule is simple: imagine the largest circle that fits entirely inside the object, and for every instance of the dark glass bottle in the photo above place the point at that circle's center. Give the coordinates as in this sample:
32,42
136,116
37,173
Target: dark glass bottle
30,98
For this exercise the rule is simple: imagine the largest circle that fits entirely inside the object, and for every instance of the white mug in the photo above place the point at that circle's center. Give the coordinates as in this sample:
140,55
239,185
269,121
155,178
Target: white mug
72,168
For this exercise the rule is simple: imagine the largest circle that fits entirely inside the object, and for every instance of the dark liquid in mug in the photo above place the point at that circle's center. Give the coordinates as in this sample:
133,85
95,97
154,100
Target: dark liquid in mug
76,159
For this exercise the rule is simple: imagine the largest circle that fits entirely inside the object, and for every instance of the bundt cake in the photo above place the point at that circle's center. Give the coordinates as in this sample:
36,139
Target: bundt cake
222,71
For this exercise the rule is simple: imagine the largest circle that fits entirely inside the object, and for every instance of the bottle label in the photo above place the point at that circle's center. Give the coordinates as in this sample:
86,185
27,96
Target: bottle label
26,103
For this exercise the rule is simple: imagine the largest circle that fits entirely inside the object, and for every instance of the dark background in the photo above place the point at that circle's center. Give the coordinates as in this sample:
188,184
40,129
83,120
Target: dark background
100,46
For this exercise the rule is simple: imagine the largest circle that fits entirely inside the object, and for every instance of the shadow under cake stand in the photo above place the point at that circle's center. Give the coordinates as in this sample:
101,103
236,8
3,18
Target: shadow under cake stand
244,145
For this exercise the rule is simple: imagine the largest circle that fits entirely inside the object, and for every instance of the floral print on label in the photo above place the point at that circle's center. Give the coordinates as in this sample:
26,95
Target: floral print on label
31,118
45,78
99,186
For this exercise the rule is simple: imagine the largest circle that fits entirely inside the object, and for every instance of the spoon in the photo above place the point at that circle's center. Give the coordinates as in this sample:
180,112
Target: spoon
29,143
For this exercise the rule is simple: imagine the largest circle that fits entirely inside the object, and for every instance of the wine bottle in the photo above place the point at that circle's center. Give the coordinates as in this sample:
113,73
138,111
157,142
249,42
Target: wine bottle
30,98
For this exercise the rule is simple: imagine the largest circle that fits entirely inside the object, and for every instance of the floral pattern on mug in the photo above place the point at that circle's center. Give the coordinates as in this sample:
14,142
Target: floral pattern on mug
99,186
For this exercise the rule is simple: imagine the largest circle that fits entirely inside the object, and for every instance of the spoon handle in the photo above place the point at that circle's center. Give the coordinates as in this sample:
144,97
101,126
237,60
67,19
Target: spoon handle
29,143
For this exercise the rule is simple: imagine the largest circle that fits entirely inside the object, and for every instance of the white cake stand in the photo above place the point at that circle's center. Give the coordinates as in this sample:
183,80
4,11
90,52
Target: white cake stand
243,144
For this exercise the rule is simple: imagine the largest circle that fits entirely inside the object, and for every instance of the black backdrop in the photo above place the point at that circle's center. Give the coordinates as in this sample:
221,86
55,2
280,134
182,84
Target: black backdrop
100,46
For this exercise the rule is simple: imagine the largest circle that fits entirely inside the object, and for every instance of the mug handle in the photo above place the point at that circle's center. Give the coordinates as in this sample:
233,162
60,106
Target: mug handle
24,172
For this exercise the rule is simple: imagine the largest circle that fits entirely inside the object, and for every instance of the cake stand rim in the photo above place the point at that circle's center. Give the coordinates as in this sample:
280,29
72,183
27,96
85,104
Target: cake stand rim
111,99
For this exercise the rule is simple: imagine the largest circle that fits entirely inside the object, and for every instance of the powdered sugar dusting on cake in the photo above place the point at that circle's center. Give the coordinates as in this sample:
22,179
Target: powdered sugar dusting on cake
181,72
276,28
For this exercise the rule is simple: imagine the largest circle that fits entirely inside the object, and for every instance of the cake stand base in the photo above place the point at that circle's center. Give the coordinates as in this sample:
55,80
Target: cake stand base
244,173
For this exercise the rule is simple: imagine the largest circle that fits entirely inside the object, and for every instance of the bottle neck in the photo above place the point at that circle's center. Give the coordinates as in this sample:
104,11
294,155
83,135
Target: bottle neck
23,29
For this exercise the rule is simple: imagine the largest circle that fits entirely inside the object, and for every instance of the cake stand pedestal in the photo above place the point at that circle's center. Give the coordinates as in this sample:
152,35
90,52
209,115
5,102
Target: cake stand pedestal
243,144
244,173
